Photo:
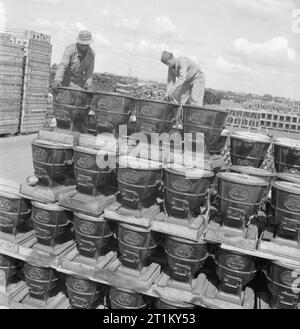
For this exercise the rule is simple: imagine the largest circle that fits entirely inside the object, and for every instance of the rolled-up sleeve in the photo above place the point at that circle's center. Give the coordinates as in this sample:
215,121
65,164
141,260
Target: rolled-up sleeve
65,61
183,67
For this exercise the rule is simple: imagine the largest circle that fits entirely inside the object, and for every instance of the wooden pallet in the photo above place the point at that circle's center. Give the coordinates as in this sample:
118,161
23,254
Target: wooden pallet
190,293
59,136
31,36
9,129
217,233
214,299
10,54
142,218
24,301
31,123
86,204
7,89
192,230
93,269
19,238
263,301
277,247
45,193
12,290
47,256
35,98
119,276
11,69
9,111
28,249
262,254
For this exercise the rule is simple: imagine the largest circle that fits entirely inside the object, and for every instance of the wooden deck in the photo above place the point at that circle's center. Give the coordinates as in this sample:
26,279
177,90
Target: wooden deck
16,158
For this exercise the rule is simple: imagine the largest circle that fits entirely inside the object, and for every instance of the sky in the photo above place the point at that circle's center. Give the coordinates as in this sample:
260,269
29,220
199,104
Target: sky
241,45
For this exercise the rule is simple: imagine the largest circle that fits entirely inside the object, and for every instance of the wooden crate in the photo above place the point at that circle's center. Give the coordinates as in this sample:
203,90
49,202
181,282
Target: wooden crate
37,75
37,98
9,103
10,59
11,68
39,123
10,115
6,78
35,87
35,106
7,47
17,34
38,56
36,72
34,116
38,44
11,111
9,127
38,111
4,37
26,129
38,65
6,88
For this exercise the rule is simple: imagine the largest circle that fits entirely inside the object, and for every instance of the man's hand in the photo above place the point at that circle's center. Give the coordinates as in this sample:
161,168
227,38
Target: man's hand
55,85
88,87
169,97
74,86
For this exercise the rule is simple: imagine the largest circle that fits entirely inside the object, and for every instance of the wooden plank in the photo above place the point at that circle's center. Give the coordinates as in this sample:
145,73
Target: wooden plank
86,204
11,290
119,276
27,302
59,136
280,249
93,269
14,248
45,193
191,230
169,289
216,233
141,218
47,256
264,255
214,299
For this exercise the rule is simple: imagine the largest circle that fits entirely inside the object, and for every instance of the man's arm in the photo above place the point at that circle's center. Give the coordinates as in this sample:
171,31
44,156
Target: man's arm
171,80
65,61
182,76
89,72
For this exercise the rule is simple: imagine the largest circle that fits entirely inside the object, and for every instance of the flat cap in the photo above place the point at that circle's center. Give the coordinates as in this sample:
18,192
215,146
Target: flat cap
166,56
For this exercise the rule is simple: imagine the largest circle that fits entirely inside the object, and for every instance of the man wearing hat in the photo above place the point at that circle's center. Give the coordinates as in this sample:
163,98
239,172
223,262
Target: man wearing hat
186,81
77,64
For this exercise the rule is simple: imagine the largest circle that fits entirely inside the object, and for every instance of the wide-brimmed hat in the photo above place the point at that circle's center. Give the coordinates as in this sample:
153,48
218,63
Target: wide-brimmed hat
166,56
85,37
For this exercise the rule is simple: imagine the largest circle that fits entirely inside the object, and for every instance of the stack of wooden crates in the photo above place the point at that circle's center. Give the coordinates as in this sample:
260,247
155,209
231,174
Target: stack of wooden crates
37,60
11,81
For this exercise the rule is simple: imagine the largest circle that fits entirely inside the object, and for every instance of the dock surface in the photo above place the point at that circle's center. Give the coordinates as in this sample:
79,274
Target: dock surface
16,158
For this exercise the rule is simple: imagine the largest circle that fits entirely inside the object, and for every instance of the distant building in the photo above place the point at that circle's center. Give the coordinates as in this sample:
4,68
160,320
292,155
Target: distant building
284,116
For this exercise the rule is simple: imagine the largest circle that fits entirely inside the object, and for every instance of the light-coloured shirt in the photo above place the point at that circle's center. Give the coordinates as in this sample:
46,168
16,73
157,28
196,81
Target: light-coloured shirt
72,70
184,70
